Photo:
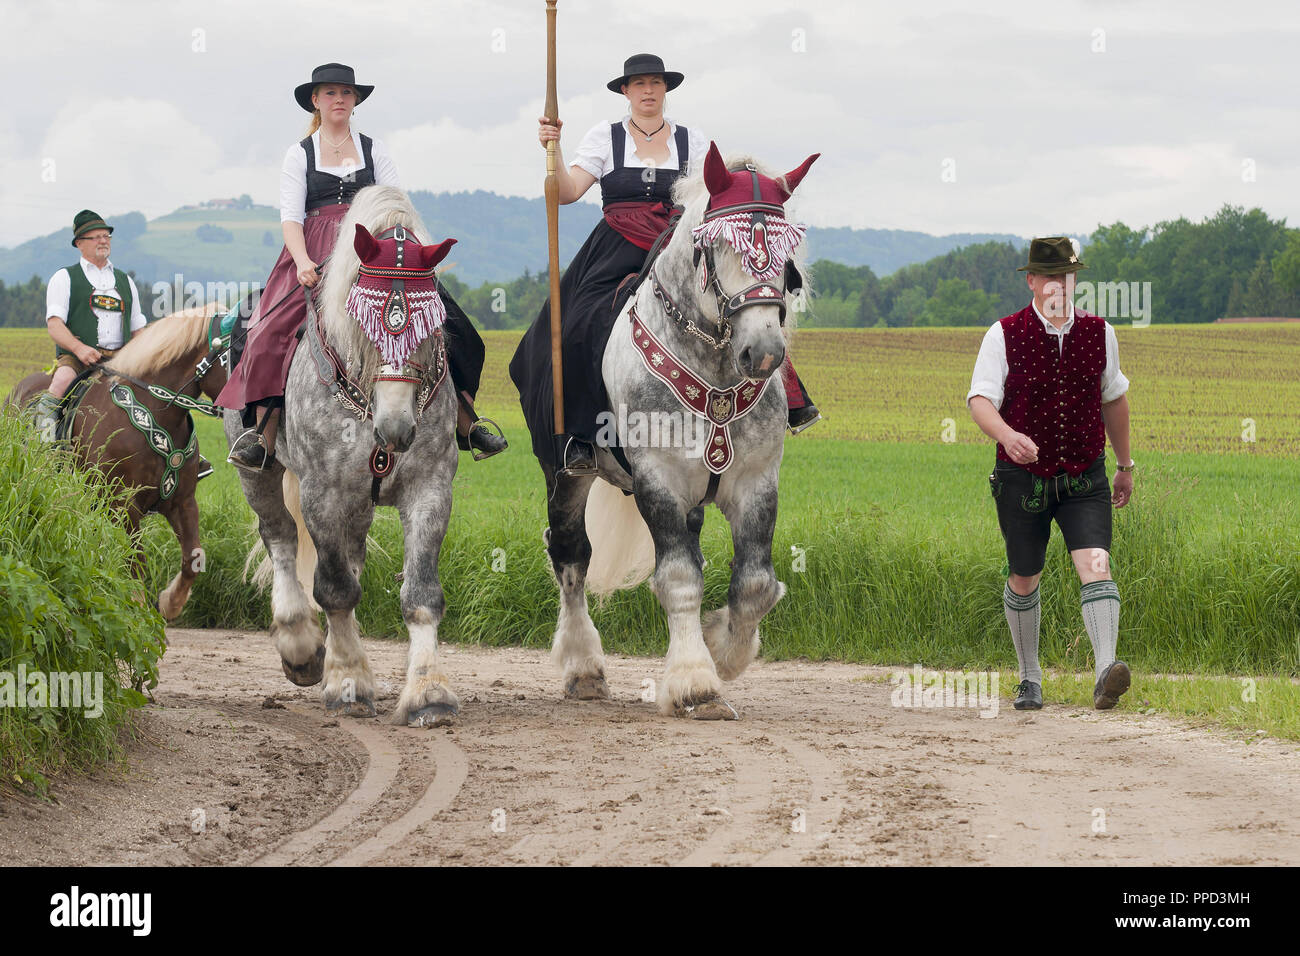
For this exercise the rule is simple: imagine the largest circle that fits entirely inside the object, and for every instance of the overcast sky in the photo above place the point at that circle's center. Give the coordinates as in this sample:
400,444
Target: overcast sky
1027,118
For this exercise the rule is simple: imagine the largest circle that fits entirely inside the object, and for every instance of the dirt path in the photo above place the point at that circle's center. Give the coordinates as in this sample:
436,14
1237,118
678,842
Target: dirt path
235,765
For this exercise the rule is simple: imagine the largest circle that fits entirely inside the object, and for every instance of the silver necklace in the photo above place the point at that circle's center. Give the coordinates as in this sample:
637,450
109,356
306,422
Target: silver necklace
648,136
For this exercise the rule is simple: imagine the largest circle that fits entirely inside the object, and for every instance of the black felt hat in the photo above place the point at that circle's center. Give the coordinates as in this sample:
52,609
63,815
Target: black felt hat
329,73
1052,256
641,63
87,221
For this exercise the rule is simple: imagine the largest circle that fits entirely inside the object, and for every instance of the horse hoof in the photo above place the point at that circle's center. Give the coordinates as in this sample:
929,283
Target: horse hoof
433,715
361,707
309,672
712,708
587,688
162,609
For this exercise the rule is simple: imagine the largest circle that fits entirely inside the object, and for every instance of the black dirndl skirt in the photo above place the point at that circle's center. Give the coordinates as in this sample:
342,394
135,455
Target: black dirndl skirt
587,298
465,350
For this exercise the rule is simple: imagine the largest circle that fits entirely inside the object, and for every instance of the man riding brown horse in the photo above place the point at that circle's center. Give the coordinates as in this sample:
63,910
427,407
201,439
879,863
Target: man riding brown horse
92,309
132,420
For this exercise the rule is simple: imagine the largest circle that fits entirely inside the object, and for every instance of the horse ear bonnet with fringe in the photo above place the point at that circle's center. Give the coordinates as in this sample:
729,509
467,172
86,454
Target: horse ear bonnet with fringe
395,298
747,209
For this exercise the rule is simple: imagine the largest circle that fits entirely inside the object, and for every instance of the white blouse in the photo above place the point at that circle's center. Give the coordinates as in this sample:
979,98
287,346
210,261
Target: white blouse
293,175
595,154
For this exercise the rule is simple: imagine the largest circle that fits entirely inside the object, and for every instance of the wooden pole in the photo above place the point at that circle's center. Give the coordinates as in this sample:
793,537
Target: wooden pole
552,111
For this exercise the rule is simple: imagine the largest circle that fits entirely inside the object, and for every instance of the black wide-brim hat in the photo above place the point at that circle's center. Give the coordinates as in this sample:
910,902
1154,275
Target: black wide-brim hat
329,73
1052,256
87,221
640,63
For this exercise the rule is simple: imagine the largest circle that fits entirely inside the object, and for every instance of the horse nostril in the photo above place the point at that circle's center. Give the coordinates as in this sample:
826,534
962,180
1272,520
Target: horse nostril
746,358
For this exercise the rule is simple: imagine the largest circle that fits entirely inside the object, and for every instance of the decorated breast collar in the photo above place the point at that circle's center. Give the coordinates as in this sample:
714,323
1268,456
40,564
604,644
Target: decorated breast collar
158,438
721,407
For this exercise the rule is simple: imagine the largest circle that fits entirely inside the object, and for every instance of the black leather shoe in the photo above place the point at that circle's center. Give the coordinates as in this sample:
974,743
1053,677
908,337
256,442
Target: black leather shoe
579,458
250,452
205,468
482,442
801,418
1111,685
1029,696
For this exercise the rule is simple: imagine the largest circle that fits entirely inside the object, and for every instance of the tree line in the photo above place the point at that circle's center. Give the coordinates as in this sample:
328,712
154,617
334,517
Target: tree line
22,305
1235,263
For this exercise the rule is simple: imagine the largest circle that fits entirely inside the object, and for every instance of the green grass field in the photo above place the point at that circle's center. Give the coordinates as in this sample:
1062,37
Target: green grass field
887,538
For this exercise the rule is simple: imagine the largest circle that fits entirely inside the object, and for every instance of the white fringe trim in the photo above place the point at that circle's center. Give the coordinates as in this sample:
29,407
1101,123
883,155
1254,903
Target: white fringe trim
427,316
783,238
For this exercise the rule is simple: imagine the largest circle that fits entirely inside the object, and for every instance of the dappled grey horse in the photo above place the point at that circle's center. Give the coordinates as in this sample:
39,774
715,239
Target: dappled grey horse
697,345
366,421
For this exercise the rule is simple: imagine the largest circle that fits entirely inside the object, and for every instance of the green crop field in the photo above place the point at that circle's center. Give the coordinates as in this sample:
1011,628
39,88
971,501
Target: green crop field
887,538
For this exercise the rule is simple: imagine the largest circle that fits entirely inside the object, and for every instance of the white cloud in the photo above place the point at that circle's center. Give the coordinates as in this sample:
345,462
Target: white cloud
448,156
1041,128
116,156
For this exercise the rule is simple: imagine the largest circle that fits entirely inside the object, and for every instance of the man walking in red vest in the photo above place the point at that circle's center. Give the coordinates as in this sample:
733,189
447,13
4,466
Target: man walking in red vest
1048,389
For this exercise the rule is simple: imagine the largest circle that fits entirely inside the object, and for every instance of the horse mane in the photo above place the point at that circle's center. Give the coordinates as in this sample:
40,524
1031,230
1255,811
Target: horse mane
377,208
163,343
690,193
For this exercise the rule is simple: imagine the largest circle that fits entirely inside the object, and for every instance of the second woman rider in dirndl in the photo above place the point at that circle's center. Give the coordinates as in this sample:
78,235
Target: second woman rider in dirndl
637,207
319,178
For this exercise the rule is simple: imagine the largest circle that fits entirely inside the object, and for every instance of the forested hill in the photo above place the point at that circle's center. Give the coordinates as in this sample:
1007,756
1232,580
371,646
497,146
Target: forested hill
1236,263
499,237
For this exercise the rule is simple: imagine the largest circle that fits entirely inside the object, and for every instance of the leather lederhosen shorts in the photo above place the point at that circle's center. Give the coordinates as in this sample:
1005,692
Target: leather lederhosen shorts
1027,505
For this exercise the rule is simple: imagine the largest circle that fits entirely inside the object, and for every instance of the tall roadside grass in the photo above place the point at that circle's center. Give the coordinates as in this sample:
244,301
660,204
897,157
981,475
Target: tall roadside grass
67,608
1209,579
891,554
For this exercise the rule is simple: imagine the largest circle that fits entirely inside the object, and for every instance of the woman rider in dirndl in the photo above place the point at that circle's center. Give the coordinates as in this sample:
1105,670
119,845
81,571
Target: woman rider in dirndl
320,176
636,210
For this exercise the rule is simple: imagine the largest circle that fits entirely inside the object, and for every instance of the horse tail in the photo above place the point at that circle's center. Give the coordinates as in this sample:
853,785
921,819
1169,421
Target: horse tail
622,551
264,574
306,562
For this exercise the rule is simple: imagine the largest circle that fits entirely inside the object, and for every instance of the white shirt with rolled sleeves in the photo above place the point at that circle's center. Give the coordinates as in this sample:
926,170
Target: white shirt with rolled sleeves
596,152
293,174
991,368
58,293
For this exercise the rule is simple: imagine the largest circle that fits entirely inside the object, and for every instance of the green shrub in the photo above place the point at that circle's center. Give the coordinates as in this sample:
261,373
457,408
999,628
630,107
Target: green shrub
68,608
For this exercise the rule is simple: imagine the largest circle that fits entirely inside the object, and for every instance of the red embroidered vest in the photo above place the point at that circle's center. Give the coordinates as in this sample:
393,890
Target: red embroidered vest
1053,394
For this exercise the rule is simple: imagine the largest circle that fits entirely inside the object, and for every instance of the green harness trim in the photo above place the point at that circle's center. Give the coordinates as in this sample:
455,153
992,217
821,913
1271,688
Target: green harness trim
158,438
201,405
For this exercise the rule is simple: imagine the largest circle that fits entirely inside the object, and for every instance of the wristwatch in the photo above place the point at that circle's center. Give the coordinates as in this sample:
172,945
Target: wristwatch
1129,467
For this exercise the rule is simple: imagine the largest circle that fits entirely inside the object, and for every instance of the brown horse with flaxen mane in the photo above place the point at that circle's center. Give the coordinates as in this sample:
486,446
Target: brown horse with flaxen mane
132,419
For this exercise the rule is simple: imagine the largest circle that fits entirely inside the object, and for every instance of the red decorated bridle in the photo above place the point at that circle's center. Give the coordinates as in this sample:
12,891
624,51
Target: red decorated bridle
757,260
349,393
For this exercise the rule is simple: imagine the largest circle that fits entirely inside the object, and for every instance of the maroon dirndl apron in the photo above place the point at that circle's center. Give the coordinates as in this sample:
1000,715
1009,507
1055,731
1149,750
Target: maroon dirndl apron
272,335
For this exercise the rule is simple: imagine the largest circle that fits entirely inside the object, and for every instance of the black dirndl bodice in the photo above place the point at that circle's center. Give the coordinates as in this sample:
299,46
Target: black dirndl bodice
587,298
326,189
645,183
